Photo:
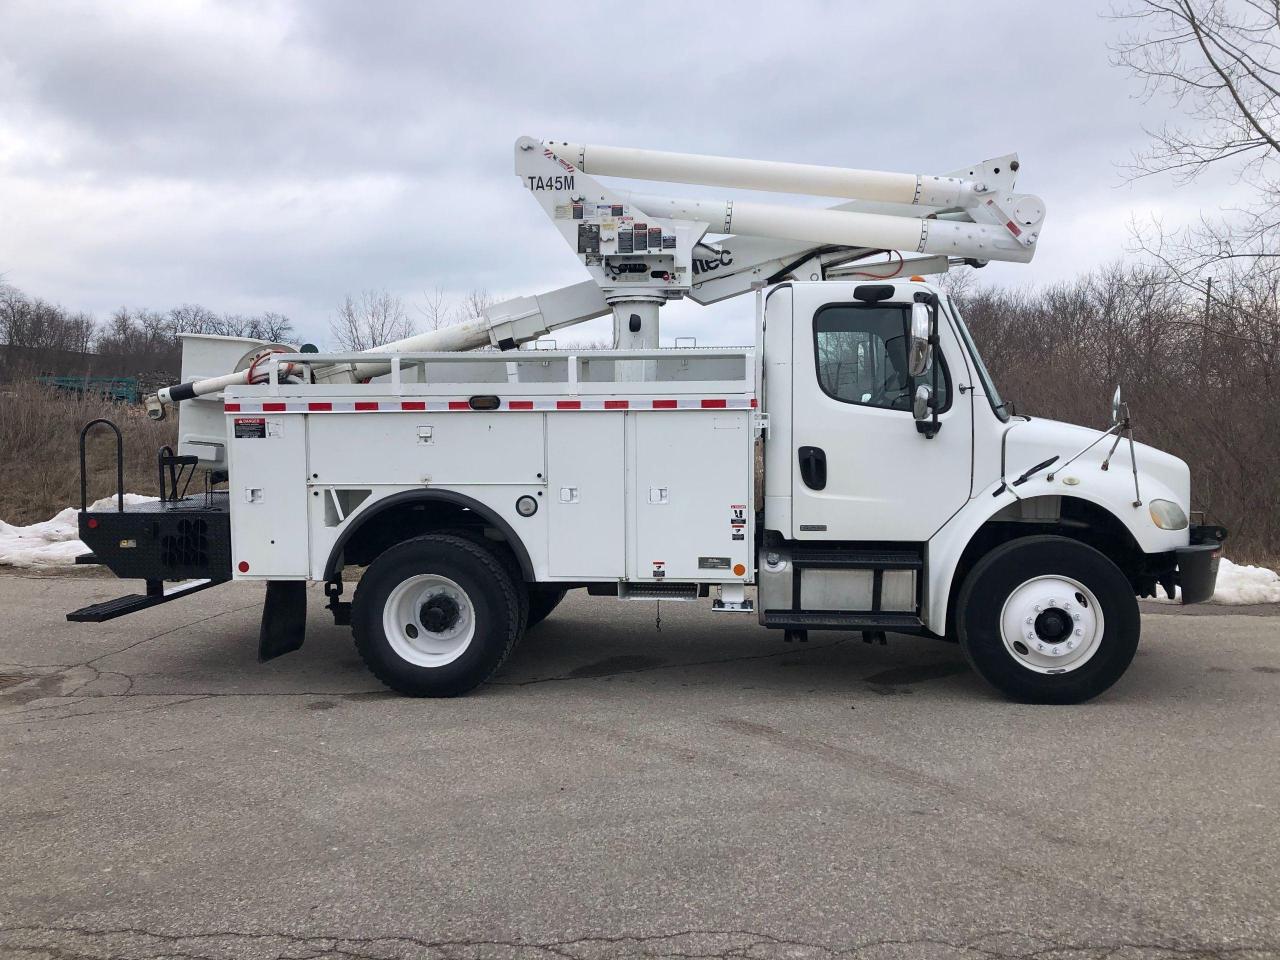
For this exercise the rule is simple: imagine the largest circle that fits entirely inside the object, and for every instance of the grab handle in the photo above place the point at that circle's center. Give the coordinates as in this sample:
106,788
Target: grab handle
84,480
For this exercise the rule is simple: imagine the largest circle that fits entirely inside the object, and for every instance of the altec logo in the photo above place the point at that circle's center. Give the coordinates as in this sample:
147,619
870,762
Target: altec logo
493,405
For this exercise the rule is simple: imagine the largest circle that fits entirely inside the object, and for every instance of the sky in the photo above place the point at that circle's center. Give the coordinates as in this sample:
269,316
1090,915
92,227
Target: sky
272,155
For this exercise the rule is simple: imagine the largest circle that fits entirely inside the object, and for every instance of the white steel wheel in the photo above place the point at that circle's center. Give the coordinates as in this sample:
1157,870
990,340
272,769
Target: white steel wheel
1052,624
429,620
1047,619
435,615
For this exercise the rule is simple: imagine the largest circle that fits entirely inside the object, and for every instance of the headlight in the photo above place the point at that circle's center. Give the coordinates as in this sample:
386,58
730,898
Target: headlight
1167,515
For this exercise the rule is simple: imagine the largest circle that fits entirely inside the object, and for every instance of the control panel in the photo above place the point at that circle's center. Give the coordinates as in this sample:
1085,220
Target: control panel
625,250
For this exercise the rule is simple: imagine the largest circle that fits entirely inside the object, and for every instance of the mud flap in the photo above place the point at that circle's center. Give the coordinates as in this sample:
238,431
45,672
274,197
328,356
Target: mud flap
284,619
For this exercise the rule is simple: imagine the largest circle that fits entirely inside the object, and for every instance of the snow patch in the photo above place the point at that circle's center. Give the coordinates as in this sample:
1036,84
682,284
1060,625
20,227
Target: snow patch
54,542
1239,583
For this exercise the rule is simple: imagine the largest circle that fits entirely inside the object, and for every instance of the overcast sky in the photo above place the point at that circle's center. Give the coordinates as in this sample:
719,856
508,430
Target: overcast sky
260,155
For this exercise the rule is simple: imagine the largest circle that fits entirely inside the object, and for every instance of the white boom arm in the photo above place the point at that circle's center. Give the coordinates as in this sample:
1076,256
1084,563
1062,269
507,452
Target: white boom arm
771,176
644,250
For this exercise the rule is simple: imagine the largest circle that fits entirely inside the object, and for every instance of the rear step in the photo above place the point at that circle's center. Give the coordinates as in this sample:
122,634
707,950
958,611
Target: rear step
156,594
842,620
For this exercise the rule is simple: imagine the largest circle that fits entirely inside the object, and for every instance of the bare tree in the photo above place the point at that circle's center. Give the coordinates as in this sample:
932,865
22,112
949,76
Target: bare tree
474,305
1220,62
435,309
370,320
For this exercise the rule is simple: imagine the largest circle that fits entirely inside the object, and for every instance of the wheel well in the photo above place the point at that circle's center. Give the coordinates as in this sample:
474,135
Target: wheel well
403,516
1075,519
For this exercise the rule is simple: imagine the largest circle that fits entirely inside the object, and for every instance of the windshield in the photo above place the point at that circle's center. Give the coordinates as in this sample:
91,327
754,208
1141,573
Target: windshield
988,386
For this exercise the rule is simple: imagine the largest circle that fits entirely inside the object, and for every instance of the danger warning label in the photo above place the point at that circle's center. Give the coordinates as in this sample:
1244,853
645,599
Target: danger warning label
250,428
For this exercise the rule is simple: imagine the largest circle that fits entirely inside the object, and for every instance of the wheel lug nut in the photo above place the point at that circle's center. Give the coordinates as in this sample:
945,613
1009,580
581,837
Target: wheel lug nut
1079,632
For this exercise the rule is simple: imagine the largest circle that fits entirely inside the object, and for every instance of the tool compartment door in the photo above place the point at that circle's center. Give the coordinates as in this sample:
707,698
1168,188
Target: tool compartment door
586,530
268,494
691,497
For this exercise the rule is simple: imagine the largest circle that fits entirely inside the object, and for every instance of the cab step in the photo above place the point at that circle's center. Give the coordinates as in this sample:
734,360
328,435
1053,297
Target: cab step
843,620
871,559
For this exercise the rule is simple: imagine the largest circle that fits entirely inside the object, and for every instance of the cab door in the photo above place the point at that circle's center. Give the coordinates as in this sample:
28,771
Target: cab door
860,469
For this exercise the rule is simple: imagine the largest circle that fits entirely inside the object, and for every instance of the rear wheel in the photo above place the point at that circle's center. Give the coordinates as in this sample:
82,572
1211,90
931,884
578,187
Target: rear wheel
435,616
542,600
1048,620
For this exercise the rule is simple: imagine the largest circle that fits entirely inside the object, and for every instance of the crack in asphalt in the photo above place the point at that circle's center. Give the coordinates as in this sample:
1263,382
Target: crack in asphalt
35,940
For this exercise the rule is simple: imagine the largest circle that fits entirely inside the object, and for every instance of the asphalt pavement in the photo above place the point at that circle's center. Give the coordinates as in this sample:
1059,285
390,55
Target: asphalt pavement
620,790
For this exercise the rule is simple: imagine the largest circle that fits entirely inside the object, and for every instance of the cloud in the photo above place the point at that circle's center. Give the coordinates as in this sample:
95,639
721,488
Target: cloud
254,156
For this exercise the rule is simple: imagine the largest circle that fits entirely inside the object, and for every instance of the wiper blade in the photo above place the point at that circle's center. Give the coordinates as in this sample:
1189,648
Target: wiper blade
1036,469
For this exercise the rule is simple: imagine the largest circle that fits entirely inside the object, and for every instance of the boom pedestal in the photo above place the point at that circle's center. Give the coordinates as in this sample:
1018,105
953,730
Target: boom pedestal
635,327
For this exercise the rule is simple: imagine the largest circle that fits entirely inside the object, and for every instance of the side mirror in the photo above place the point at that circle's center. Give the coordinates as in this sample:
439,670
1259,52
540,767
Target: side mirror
918,342
922,403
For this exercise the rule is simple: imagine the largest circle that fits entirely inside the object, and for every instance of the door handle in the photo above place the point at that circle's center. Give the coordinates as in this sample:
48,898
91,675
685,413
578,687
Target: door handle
813,467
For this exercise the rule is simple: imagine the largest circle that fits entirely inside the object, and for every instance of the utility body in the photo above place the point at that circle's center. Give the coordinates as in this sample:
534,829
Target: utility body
855,464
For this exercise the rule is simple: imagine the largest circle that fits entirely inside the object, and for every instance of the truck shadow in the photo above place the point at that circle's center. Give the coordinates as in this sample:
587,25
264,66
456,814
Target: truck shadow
718,654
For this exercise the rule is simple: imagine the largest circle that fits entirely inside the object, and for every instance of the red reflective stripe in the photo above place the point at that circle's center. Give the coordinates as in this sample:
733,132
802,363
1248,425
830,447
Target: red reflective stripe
665,404
616,404
231,407
319,407
520,404
413,405
714,404
459,405
568,404
366,405
273,408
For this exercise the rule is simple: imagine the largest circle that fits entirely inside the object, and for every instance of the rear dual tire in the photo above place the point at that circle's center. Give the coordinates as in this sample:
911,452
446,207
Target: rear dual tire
437,615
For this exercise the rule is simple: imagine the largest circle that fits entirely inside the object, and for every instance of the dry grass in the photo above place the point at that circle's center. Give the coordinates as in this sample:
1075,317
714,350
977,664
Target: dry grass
39,450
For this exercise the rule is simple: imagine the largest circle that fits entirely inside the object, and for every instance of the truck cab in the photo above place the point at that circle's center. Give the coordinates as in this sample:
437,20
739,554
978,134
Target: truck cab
889,492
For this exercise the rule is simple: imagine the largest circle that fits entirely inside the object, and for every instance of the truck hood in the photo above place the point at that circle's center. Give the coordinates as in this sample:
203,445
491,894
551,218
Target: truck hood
1160,474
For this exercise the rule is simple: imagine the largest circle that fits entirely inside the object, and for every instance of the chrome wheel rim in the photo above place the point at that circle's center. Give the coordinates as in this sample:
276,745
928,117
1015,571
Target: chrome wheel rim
1051,624
429,620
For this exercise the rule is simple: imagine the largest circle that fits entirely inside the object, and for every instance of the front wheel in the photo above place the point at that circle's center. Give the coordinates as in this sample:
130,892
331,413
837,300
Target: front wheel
435,616
1048,620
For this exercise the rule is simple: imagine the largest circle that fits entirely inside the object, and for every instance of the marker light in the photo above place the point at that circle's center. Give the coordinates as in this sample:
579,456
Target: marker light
526,506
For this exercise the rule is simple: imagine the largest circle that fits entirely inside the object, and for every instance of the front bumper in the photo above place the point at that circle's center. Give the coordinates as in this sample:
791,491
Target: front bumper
1197,564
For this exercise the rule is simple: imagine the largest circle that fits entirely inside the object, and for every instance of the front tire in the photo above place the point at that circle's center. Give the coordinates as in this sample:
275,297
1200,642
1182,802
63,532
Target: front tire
1048,620
435,616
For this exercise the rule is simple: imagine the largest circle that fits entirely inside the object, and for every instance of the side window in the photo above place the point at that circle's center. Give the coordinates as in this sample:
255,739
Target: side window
861,354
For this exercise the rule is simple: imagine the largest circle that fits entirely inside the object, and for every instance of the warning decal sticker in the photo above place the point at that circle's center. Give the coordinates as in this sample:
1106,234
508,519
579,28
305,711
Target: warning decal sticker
250,428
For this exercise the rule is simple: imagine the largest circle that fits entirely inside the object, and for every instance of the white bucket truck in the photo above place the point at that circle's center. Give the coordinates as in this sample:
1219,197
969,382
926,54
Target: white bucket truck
856,465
